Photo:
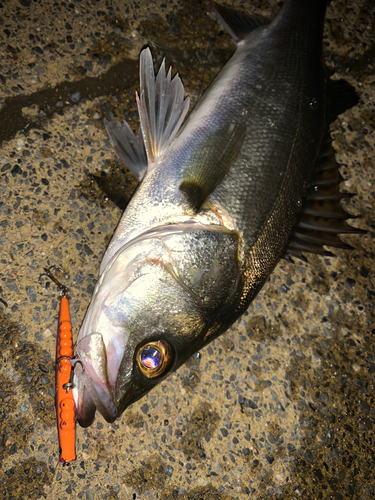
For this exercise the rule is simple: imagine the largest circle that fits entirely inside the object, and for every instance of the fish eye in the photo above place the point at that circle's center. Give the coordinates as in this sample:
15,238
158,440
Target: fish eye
154,358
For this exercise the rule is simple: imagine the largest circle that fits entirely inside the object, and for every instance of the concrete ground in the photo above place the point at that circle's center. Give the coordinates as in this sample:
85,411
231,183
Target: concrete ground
282,406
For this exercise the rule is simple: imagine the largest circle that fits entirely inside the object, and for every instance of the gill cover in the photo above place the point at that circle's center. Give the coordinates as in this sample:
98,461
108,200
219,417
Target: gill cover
150,311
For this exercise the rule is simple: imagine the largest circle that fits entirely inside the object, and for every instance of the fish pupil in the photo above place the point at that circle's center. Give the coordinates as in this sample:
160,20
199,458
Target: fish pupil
151,357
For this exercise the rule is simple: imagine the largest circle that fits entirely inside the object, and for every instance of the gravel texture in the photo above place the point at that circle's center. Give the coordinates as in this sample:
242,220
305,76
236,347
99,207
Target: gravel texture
282,406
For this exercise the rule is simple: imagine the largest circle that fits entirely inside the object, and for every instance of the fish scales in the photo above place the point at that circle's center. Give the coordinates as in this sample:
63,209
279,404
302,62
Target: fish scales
215,210
282,106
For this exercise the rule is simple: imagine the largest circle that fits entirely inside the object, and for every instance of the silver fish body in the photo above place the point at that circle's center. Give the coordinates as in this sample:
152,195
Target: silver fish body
212,217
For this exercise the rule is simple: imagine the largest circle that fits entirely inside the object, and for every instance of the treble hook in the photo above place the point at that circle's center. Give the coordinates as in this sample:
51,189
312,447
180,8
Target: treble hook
47,272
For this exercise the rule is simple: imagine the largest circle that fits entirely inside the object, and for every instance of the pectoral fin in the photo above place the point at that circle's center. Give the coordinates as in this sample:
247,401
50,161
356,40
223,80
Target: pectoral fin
211,161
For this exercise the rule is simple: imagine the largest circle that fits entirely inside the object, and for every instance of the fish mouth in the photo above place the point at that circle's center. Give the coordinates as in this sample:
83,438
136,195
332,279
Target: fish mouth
90,396
95,373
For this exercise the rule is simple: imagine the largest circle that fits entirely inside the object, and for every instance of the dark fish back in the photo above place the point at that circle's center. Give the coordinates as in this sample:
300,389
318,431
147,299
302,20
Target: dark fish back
284,108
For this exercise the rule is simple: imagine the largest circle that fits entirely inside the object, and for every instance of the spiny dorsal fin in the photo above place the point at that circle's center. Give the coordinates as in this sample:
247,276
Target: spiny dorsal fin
210,161
322,218
162,109
161,106
237,24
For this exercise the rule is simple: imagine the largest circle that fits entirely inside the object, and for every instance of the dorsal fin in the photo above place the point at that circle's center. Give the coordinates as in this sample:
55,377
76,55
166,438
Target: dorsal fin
322,218
161,106
162,109
237,24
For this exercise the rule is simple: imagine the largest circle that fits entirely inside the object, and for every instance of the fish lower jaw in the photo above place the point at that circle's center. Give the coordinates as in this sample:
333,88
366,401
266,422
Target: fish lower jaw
89,396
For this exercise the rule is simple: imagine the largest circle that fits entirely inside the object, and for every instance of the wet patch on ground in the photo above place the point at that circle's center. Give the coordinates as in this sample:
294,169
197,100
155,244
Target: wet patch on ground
115,183
30,111
18,478
27,370
188,441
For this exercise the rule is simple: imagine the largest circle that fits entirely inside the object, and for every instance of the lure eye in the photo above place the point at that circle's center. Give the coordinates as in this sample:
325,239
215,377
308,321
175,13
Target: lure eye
154,357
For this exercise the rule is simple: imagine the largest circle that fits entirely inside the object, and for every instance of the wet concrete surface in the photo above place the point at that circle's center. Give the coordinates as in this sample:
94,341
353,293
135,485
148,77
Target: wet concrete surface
282,406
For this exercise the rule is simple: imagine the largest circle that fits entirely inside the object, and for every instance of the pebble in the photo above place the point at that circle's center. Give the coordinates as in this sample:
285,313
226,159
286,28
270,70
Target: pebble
76,97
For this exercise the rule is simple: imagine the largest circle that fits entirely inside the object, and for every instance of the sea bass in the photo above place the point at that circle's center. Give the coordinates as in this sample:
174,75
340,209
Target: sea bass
248,178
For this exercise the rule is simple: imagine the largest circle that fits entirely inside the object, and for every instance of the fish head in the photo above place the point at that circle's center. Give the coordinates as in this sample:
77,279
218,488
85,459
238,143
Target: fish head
157,302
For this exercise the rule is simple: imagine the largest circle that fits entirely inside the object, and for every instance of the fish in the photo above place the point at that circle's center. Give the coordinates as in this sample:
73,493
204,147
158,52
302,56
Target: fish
247,178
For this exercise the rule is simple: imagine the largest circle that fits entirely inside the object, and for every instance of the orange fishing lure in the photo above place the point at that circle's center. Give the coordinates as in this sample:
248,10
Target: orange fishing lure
64,403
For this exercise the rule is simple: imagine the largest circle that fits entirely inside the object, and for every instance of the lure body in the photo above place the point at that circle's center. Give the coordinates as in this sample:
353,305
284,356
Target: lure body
64,402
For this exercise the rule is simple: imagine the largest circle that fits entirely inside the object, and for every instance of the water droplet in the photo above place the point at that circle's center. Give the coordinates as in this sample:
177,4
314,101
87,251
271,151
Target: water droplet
313,103
150,357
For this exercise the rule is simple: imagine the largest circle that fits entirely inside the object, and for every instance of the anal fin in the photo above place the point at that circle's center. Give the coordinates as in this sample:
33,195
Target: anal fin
322,219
